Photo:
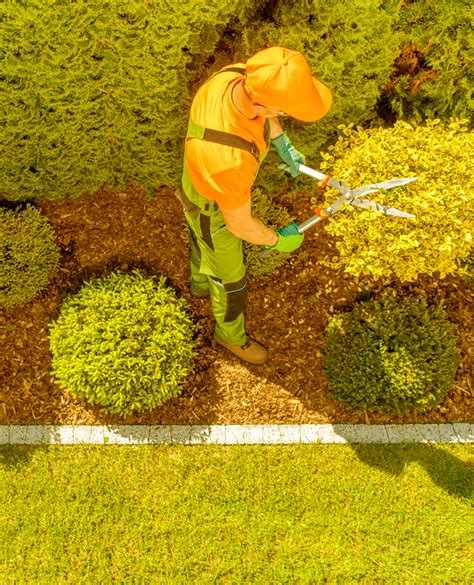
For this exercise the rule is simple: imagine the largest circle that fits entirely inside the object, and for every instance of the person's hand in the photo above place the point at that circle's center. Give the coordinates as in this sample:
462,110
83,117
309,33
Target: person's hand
289,238
289,155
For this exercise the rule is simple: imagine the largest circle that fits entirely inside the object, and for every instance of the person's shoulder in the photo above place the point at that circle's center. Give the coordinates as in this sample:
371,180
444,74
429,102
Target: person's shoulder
222,77
234,69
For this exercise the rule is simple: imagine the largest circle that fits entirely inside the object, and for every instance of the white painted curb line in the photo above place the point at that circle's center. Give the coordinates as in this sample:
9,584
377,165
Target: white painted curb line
278,434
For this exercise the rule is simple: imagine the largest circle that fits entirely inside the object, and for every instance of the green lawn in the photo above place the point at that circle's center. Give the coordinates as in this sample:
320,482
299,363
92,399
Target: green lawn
243,514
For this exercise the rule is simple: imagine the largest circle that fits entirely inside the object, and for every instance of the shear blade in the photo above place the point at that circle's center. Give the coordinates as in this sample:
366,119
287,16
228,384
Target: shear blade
341,187
362,191
381,208
390,184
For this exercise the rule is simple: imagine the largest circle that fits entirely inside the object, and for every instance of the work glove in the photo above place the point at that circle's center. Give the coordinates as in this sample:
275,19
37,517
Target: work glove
289,155
289,238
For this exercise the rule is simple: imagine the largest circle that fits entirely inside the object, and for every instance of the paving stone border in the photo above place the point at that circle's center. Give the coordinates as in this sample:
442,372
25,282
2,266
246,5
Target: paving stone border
277,434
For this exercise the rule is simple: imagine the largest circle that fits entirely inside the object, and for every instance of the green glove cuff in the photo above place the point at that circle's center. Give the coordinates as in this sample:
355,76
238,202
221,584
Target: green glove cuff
282,142
288,153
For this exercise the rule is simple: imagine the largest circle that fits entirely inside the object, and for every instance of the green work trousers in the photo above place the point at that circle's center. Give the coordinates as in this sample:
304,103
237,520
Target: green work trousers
216,265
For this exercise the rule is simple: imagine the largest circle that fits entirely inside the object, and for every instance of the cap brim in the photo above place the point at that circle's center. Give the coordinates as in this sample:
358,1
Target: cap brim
313,106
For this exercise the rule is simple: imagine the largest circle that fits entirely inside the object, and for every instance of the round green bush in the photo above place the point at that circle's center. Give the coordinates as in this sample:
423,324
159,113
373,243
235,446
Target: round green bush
28,254
395,355
125,342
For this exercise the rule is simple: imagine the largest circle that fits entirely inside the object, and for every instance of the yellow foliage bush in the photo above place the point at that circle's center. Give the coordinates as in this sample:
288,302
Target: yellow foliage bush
442,199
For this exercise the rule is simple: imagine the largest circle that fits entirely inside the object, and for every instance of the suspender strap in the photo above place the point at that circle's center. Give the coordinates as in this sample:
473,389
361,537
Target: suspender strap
231,140
220,137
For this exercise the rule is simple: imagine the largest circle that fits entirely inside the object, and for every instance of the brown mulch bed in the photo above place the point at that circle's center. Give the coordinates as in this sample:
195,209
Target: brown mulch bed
287,312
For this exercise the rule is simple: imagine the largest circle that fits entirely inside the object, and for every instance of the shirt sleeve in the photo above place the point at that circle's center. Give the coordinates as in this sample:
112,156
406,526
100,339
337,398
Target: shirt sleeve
221,173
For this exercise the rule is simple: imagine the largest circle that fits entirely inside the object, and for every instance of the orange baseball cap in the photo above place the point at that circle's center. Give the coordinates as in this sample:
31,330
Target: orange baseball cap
280,79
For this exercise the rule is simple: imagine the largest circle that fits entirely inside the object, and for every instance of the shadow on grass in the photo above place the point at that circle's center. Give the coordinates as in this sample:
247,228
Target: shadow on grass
15,456
450,473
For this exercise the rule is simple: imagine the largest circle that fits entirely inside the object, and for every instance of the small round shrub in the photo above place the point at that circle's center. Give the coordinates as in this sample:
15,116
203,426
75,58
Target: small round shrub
124,342
395,355
274,216
28,254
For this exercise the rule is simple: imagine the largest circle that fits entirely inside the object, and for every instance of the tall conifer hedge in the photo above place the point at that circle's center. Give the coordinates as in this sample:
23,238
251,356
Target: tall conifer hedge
94,92
98,92
433,74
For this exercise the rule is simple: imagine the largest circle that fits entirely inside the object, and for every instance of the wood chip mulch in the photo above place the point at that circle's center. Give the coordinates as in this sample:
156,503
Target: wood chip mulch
287,312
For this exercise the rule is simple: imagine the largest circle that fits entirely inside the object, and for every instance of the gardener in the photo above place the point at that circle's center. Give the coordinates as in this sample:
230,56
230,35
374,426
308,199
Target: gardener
232,121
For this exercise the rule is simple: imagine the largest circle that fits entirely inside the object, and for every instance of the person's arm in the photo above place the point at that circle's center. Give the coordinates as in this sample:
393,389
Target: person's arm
245,226
275,128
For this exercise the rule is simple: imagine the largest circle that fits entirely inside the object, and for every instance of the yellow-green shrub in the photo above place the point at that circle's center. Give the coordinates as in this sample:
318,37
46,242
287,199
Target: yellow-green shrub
442,199
28,254
125,342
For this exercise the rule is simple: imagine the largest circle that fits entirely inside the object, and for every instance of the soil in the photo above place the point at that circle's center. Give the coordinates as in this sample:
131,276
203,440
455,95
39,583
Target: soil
287,312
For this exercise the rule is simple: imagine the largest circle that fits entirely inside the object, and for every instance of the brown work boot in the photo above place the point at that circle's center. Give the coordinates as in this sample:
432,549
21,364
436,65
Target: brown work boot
251,351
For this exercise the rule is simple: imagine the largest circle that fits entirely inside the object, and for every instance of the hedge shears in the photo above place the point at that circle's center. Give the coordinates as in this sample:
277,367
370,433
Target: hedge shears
348,197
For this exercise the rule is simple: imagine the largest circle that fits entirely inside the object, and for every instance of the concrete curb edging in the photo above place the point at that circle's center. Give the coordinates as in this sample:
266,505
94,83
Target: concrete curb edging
272,434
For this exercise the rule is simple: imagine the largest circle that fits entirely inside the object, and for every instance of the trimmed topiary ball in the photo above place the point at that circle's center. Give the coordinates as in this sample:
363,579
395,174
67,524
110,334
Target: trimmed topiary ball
392,355
124,342
28,254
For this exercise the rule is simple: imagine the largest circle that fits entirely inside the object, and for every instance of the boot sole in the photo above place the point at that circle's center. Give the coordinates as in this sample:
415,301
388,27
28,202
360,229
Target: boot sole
228,348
